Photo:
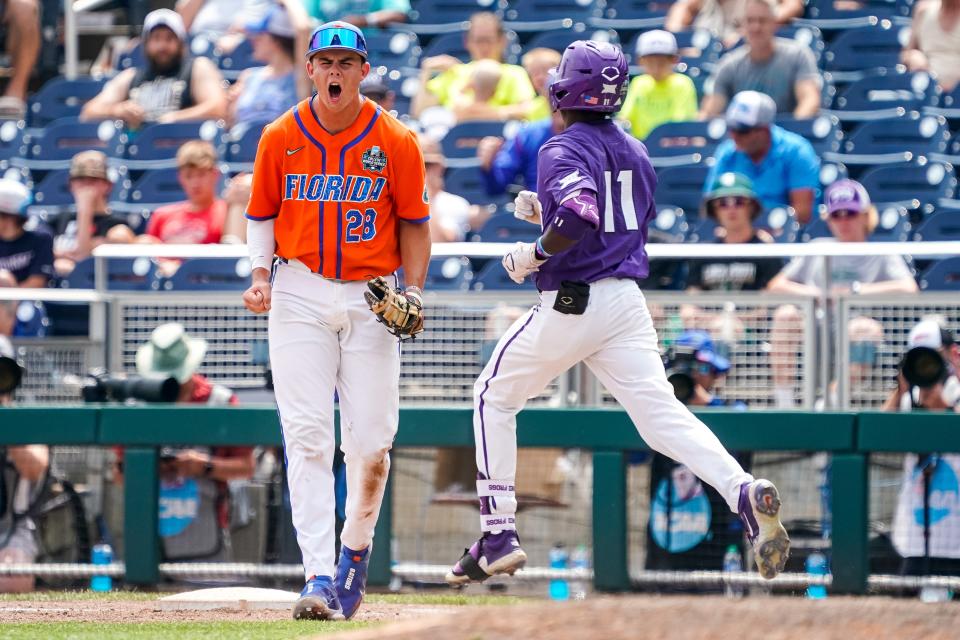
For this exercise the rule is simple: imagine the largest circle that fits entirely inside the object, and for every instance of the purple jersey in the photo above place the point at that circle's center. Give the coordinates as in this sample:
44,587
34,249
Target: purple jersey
600,158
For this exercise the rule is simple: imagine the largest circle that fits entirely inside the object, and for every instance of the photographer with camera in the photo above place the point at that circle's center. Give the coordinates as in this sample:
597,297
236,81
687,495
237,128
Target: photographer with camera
690,524
22,471
194,491
926,523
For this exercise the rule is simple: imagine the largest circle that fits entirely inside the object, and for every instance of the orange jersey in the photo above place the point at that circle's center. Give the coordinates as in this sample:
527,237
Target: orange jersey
336,198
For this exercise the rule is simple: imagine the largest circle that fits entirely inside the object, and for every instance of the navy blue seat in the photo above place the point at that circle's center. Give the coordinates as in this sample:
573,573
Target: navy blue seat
240,145
703,231
210,274
232,64
632,14
816,228
132,58
152,188
506,228
943,225
61,98
682,187
493,277
68,319
12,142
54,146
449,274
948,107
556,39
942,275
537,15
893,141
826,15
876,97
857,51
123,274
460,144
669,225
823,132
779,222
393,49
443,16
452,44
32,320
912,186
468,183
156,145
684,143
830,172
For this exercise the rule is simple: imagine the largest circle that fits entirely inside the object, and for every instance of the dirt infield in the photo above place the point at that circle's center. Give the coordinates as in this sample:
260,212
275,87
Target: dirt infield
684,618
601,618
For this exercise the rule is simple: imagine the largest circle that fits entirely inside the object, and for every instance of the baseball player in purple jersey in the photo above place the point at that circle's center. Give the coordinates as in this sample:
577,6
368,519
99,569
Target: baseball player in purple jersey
595,187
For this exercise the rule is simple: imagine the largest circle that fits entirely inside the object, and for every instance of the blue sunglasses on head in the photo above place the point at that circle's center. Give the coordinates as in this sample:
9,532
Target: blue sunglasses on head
337,37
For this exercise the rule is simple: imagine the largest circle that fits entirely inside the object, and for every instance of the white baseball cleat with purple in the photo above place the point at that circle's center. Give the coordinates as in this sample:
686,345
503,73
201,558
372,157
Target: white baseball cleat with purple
492,554
759,510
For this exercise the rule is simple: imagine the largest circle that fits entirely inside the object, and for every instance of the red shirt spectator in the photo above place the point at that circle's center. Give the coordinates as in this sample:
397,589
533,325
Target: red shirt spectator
179,223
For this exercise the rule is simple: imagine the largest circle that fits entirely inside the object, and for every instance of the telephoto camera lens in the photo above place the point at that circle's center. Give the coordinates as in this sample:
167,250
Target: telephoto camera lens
923,367
11,374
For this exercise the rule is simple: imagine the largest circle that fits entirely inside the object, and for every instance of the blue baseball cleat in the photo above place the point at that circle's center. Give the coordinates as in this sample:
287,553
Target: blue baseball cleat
352,578
318,601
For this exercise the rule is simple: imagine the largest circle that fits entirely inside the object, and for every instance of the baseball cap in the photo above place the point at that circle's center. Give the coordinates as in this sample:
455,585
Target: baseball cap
275,21
750,109
337,35
14,198
929,333
374,86
171,352
846,195
732,184
89,164
164,18
657,43
702,345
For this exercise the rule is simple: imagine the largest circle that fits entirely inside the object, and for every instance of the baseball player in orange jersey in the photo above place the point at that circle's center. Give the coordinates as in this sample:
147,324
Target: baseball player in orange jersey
338,196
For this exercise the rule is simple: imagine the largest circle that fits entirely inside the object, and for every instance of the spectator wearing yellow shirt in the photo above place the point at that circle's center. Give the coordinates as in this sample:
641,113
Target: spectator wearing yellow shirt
661,94
538,63
445,80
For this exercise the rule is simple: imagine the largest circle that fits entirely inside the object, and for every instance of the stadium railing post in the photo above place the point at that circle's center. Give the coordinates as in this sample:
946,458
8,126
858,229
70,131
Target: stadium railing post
610,568
850,497
381,559
141,541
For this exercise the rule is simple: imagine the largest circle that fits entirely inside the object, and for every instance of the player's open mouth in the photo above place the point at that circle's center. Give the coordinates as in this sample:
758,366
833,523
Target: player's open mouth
335,91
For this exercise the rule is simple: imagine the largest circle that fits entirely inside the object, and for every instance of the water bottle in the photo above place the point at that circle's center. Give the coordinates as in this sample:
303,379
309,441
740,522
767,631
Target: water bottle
930,594
559,589
732,563
816,566
102,554
579,560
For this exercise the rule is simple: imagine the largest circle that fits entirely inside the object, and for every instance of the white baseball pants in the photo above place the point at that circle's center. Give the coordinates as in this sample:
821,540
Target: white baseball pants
616,339
323,338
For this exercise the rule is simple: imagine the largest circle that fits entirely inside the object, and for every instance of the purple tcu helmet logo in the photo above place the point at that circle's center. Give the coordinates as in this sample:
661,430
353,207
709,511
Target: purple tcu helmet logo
592,77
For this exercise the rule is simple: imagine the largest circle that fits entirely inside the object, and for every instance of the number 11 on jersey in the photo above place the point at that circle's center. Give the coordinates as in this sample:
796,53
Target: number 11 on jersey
627,208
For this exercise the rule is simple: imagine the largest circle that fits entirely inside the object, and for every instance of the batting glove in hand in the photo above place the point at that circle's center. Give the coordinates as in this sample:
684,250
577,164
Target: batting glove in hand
401,312
521,261
527,207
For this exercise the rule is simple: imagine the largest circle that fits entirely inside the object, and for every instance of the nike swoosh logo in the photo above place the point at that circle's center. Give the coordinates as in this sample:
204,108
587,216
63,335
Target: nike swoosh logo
290,152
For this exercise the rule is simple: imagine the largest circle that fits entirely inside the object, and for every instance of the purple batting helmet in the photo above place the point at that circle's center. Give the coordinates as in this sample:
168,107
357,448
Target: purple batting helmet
592,76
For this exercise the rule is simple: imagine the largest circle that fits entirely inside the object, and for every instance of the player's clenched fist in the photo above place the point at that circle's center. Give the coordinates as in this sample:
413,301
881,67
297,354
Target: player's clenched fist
521,261
527,207
257,297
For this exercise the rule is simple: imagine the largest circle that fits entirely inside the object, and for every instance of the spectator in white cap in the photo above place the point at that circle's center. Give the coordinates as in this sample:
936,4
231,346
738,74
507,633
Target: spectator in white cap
172,87
783,69
723,18
783,167
26,257
660,94
264,93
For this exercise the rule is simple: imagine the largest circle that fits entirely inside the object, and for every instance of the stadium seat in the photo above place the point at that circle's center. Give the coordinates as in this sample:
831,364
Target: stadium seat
857,51
557,39
537,15
912,186
452,44
682,187
68,319
12,143
684,143
132,58
948,107
123,274
153,187
404,87
156,145
881,96
240,145
942,275
61,98
506,228
54,146
468,182
823,132
632,14
449,274
893,141
830,15
669,225
445,16
703,231
830,172
460,144
779,222
32,320
232,64
493,277
943,225
210,274
393,49
51,195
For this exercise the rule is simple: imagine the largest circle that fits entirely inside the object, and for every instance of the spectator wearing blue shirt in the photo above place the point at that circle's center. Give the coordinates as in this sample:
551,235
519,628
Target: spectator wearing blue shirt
502,161
782,165
26,257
